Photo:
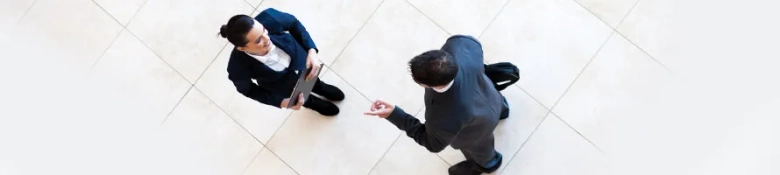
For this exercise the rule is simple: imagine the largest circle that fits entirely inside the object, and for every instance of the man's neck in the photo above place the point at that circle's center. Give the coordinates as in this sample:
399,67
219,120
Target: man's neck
442,89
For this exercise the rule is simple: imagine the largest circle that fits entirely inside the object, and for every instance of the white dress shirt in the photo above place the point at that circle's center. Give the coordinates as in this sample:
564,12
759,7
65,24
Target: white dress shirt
276,59
445,88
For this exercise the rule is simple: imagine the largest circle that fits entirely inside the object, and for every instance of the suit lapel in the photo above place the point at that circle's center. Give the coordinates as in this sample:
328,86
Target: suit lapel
285,42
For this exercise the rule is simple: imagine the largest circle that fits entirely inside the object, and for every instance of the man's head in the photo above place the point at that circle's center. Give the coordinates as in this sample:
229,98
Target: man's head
246,34
433,69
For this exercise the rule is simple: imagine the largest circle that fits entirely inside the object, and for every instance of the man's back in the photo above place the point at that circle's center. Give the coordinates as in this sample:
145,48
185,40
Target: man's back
470,109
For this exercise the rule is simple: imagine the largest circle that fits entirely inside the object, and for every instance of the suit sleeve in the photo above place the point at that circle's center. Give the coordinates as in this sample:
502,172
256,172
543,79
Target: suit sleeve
246,87
296,29
434,141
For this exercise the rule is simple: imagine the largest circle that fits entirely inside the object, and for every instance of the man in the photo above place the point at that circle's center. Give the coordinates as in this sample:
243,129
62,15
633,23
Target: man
273,49
462,105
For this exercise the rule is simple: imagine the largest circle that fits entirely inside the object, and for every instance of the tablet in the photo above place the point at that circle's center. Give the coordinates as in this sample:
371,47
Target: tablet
303,86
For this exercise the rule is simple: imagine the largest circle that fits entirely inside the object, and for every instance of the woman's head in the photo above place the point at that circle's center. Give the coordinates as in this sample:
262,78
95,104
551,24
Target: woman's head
246,34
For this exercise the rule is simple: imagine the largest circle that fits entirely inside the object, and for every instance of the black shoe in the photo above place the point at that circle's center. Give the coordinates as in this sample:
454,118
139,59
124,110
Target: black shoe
465,168
323,107
504,110
495,167
331,92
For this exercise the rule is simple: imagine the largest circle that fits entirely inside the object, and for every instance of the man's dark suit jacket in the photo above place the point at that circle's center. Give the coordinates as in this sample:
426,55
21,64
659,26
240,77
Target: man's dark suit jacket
464,114
288,34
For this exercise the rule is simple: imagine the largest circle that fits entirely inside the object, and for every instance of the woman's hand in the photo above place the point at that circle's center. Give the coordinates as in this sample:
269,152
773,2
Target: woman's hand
314,63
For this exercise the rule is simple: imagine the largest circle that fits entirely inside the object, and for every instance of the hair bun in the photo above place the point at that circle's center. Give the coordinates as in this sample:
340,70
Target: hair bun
223,31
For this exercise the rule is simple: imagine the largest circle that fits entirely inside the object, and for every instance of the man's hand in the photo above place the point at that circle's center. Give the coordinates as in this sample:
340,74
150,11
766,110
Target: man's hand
380,108
312,62
286,101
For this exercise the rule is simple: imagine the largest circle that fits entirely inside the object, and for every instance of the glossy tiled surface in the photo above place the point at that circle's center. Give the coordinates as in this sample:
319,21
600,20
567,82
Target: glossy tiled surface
583,62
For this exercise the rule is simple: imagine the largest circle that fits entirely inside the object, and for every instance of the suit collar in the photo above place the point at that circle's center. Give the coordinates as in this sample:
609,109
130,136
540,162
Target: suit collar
288,44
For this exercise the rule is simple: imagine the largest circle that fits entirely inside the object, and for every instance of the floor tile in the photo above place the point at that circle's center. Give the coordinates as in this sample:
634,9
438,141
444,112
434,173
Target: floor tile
707,39
254,3
468,17
331,24
350,143
184,33
408,157
539,37
614,80
13,10
376,61
662,42
214,139
261,120
122,10
524,115
267,163
134,70
86,32
610,11
555,149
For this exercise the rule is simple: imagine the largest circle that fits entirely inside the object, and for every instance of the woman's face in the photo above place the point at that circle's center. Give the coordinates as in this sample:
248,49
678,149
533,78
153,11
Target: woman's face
259,42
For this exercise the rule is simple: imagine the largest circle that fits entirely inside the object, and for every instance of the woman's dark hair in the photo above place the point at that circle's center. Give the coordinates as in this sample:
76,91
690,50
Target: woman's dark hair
433,68
236,29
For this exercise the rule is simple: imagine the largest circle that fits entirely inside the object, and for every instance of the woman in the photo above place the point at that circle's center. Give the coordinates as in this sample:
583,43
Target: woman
272,49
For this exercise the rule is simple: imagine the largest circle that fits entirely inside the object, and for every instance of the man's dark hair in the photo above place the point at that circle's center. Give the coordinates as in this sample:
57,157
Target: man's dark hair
433,68
236,29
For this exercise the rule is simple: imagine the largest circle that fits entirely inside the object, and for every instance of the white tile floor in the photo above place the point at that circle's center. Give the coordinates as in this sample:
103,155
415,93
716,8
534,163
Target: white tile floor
583,62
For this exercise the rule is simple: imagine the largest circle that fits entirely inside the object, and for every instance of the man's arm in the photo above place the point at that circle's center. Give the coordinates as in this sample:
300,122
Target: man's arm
296,29
245,86
434,141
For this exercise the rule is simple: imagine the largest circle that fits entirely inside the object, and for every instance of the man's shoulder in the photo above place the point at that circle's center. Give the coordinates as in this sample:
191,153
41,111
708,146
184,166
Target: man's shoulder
463,39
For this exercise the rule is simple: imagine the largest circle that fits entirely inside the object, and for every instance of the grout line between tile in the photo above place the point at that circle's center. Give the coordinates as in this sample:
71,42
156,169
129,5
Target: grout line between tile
280,126
210,63
228,114
618,25
442,159
175,106
351,86
135,14
428,17
27,11
384,154
578,133
624,17
532,97
593,14
583,70
253,159
251,5
285,162
494,19
574,81
525,142
645,52
356,33
106,50
159,57
109,14
416,114
124,29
